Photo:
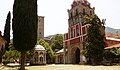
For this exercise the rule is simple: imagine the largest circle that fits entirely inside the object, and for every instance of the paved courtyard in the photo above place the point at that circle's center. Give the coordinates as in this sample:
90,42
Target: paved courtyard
65,67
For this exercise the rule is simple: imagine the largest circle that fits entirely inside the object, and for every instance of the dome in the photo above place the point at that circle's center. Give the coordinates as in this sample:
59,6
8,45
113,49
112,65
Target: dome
39,47
60,51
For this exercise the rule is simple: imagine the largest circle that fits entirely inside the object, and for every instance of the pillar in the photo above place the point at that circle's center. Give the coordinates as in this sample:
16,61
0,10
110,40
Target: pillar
45,57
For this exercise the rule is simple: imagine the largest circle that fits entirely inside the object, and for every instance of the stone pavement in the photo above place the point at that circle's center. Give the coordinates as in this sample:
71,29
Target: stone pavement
72,67
1,66
65,67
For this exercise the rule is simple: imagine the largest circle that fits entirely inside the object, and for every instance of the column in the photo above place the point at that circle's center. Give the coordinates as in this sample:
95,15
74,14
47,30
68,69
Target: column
64,55
45,57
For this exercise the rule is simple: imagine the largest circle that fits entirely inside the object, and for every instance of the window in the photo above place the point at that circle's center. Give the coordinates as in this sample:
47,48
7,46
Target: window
80,31
71,15
41,52
83,30
83,11
76,12
74,33
36,53
71,32
90,12
77,31
71,20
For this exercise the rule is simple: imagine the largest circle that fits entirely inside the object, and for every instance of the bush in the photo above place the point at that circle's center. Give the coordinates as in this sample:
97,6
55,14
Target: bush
5,62
112,55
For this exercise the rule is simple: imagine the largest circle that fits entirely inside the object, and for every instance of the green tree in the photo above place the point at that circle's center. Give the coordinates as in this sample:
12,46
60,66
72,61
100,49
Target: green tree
29,55
24,27
112,54
7,30
50,54
11,53
57,42
94,41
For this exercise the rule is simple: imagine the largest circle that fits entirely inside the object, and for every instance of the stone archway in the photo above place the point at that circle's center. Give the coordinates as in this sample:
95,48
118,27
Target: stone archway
74,56
77,56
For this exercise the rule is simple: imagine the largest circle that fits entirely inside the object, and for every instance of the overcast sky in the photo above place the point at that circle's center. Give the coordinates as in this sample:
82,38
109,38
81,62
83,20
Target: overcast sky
55,12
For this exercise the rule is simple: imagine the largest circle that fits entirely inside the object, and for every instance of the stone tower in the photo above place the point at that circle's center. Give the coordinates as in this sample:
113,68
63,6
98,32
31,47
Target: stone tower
40,32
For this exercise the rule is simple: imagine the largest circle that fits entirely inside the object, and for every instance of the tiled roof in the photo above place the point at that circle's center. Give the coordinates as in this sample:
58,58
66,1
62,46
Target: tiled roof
113,46
114,39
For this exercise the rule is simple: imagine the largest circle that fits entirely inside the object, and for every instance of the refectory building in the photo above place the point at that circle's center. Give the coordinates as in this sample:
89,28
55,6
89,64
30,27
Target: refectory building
74,39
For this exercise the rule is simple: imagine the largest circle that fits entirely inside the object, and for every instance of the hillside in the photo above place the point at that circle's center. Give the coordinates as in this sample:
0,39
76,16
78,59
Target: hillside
112,30
107,31
51,36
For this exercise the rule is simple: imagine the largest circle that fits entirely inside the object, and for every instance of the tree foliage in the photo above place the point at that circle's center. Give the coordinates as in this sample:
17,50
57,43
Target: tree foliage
11,54
50,54
29,55
111,54
94,41
7,30
24,26
57,42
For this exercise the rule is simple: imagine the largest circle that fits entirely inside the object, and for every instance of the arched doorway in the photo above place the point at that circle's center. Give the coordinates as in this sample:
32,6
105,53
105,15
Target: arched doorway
77,56
41,60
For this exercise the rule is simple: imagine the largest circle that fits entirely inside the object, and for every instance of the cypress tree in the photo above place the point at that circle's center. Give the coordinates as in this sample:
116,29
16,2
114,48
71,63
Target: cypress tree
24,27
94,41
7,30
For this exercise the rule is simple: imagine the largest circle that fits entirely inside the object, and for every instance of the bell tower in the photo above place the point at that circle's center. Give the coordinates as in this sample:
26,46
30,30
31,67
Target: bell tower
77,31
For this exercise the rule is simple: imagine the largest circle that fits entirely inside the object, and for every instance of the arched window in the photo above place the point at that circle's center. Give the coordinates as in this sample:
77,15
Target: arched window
41,53
83,30
36,53
71,19
77,30
71,32
36,56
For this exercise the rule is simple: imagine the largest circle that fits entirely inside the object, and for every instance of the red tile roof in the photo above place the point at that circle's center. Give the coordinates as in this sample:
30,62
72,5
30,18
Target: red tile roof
113,46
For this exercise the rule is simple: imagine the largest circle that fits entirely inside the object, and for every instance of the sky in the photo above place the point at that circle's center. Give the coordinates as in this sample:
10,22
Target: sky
56,16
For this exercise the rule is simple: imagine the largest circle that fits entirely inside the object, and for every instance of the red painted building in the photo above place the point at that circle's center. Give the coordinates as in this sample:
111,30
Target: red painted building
73,40
112,43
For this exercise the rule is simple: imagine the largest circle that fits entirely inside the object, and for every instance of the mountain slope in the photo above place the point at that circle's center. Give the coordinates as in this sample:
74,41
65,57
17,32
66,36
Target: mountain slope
112,30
